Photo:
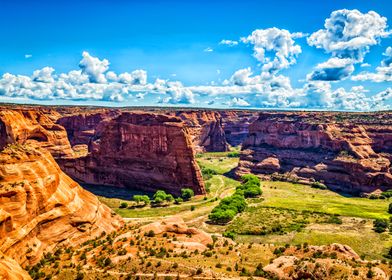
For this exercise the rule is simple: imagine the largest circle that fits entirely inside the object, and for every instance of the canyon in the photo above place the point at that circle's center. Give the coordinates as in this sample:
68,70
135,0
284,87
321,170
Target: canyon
45,152
349,152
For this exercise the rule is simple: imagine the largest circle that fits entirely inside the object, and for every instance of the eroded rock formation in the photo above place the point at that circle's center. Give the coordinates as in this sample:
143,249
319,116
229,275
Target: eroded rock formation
11,270
206,130
139,150
340,150
236,125
41,207
34,124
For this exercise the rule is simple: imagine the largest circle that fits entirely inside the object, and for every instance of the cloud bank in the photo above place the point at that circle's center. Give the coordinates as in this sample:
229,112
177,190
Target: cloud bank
347,37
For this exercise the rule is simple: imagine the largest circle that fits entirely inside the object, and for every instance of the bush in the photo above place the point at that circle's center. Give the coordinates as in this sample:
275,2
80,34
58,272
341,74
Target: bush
390,208
229,234
208,173
178,200
193,208
160,196
233,154
250,186
380,225
318,185
387,194
123,205
141,199
187,193
389,255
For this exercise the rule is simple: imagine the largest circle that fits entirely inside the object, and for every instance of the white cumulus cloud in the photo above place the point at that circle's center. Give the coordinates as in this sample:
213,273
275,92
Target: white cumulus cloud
94,68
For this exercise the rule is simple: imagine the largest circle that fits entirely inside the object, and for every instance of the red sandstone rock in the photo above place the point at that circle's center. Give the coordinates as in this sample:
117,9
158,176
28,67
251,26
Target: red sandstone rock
205,129
236,125
42,208
139,150
315,146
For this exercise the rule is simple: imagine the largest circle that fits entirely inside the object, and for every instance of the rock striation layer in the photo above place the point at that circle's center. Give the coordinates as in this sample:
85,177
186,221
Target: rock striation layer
348,152
34,125
42,208
206,130
236,125
136,149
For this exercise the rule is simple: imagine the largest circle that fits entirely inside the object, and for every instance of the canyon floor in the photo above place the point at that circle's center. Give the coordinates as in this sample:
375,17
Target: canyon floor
194,194
288,221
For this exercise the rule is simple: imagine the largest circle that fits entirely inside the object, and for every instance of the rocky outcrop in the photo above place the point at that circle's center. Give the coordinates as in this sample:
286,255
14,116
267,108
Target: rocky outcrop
42,208
190,238
37,125
10,270
206,130
138,150
81,127
329,147
236,125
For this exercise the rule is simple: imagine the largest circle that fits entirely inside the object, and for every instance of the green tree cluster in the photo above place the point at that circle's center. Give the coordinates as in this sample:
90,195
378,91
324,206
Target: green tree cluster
230,206
141,199
161,197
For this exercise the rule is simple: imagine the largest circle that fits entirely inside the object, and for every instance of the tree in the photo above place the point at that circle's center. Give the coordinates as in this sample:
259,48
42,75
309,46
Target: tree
123,205
144,199
187,193
221,216
160,196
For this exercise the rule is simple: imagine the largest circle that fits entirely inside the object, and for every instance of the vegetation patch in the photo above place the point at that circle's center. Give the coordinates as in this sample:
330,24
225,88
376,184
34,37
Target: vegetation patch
258,220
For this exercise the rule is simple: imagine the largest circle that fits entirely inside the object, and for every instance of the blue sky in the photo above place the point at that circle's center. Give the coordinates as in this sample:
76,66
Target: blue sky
179,43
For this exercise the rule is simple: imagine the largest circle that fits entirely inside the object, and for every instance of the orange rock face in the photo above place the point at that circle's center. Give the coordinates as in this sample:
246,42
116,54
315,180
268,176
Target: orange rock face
340,151
139,150
41,207
38,124
10,270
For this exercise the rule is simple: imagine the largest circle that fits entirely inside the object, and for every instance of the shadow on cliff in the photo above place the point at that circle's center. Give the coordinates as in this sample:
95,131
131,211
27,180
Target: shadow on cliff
114,192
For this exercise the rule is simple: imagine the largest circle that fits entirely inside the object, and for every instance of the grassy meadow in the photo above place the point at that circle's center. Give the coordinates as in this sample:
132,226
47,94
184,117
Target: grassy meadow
286,213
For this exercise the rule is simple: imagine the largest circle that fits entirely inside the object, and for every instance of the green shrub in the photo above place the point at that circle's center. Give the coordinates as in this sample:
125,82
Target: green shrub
233,154
390,208
208,173
141,199
380,225
187,193
178,200
123,205
318,185
160,196
229,234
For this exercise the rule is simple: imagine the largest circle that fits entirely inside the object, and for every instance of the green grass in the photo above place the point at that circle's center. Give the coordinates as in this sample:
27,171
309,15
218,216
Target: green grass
220,165
284,204
262,220
220,186
301,197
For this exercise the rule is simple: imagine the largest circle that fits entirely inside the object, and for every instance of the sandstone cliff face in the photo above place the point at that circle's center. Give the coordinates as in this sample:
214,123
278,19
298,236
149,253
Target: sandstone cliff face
316,146
41,207
81,127
139,150
236,125
206,130
21,125
10,270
